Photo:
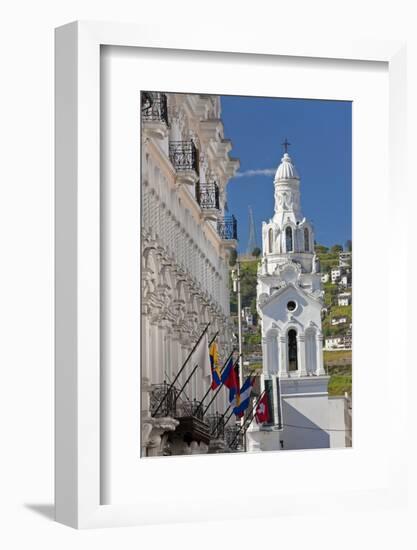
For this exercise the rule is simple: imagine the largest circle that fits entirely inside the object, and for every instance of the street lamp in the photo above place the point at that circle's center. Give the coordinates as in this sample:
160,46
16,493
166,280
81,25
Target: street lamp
236,288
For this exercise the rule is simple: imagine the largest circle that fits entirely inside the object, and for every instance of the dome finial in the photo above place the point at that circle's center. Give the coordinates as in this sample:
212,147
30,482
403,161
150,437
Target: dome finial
285,145
286,170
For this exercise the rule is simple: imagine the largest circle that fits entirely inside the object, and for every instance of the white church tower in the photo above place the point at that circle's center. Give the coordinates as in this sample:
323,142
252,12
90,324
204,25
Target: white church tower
290,300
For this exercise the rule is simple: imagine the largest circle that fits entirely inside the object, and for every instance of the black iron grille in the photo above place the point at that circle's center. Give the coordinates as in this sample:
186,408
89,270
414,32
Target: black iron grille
184,156
154,107
227,228
207,196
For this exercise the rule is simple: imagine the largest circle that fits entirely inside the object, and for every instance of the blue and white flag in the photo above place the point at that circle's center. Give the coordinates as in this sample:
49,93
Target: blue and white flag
242,398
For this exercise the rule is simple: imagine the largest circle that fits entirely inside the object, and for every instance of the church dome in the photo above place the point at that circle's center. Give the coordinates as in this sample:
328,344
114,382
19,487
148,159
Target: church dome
286,170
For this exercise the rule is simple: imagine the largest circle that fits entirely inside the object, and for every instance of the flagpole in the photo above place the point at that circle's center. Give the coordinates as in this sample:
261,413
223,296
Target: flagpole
221,370
225,412
247,427
181,369
253,416
185,383
219,388
236,288
243,424
214,337
193,371
229,417
168,378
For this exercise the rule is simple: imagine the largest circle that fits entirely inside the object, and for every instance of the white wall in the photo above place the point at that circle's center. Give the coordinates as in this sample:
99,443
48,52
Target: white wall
306,420
337,421
26,277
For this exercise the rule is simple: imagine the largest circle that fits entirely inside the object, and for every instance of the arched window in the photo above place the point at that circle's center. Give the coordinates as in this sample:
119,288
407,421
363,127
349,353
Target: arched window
270,239
292,350
306,240
288,240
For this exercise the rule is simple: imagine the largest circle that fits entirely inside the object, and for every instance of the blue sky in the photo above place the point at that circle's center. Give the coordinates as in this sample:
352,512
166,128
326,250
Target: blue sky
320,137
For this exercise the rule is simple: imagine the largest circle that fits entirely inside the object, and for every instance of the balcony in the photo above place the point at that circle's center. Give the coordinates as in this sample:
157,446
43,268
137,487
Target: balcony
192,426
164,402
154,107
234,438
227,230
161,406
216,423
184,158
207,196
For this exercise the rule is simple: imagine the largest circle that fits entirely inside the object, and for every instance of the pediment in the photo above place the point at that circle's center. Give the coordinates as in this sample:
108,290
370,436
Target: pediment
265,300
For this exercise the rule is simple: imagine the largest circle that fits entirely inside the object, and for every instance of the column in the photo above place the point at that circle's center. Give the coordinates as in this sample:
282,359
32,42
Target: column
264,356
145,348
301,355
283,357
275,403
160,352
319,350
151,355
145,387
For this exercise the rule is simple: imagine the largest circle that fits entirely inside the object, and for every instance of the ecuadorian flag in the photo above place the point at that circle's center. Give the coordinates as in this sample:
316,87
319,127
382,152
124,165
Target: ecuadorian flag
242,399
215,369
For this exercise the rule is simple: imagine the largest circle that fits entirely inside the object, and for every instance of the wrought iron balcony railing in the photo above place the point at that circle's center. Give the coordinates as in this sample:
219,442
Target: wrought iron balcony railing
227,228
184,156
190,409
216,423
234,437
207,196
154,107
163,400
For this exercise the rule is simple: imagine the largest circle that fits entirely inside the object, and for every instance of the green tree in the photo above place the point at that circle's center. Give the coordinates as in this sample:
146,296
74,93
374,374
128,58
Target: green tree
256,252
336,248
320,249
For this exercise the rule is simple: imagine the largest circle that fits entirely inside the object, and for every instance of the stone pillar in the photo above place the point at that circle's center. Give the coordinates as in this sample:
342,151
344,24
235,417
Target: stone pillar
153,377
264,356
301,351
145,346
283,357
275,403
319,350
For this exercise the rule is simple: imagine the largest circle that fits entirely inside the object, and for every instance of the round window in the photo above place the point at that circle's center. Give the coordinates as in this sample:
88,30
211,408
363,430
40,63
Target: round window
291,305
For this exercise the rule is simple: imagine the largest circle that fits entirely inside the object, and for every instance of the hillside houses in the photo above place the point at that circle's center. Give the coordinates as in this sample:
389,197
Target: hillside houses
344,299
343,342
336,277
339,320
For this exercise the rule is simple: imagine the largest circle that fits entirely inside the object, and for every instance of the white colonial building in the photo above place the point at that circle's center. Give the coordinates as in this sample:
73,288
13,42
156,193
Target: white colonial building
290,301
344,299
186,241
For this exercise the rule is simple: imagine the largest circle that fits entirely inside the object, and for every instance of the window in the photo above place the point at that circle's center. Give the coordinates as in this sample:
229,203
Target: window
291,305
270,239
306,240
292,350
288,240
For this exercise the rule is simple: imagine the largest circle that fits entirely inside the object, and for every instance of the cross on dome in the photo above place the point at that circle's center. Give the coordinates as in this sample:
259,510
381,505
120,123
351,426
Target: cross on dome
285,145
286,170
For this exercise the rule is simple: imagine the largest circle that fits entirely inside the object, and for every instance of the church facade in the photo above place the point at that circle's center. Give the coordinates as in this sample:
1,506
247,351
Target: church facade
289,302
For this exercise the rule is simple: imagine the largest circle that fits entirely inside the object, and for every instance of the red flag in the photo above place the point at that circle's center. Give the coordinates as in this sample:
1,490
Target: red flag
262,410
230,380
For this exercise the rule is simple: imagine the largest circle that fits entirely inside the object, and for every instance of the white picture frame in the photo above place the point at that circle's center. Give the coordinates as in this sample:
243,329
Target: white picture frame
78,404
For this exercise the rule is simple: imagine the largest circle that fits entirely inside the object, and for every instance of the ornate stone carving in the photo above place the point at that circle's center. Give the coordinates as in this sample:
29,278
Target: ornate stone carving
153,430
